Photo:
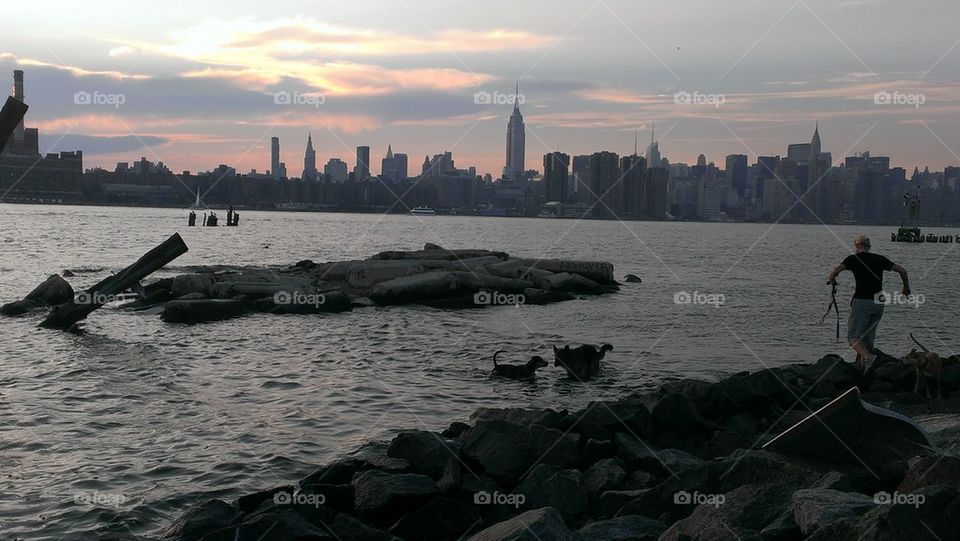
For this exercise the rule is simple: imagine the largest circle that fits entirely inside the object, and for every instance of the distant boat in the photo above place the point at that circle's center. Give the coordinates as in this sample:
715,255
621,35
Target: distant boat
423,211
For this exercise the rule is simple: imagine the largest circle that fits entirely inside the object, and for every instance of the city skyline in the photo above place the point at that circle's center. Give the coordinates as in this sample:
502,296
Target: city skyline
196,94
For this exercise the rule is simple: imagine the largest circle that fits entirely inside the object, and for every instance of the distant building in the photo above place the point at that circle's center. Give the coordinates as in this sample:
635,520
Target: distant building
275,164
799,153
656,183
653,151
309,161
631,180
556,176
361,171
605,186
336,170
516,143
27,176
737,173
393,167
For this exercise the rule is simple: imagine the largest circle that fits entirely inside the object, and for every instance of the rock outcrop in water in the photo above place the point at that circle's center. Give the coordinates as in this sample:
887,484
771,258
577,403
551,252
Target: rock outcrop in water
682,463
432,276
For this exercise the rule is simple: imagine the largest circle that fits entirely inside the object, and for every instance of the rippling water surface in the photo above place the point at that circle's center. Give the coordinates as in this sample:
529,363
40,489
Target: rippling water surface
124,426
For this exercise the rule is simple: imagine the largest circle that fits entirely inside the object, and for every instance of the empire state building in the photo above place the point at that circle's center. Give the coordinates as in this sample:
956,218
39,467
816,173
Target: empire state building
516,142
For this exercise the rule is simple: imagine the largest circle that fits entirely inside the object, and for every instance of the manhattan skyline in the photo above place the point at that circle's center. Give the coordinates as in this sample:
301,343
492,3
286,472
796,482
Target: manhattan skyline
200,89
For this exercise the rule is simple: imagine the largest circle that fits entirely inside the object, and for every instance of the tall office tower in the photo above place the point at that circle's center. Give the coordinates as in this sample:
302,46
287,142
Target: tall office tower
516,143
336,170
737,173
819,200
394,166
275,167
631,175
605,187
361,170
18,134
653,151
580,179
767,167
556,176
309,161
656,200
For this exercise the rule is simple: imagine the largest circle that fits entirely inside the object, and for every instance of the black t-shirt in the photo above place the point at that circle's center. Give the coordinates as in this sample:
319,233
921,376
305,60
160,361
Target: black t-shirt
868,269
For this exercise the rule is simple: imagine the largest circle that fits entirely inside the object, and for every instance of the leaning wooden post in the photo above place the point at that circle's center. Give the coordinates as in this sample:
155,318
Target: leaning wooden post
68,314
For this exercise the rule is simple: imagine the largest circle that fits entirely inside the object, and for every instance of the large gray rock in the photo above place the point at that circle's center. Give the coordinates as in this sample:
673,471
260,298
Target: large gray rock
500,448
369,273
518,269
372,456
549,486
185,284
536,525
416,288
603,476
200,520
598,271
443,518
625,528
20,307
931,470
384,497
816,507
427,452
52,291
740,513
522,416
553,446
300,302
346,528
490,282
201,310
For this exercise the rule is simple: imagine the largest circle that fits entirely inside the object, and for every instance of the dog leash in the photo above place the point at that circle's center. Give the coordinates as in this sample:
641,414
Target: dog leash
836,308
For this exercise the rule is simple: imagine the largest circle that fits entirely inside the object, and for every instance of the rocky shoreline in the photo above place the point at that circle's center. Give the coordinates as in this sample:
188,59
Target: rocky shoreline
682,463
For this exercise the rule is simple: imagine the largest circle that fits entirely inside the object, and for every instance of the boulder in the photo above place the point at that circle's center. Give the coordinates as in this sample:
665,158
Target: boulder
17,308
439,253
597,271
930,470
416,288
523,416
201,310
427,452
632,279
500,448
600,420
605,475
553,446
934,518
490,282
740,513
184,284
817,507
625,528
535,525
312,303
549,486
273,523
536,296
384,497
443,518
346,528
570,283
369,273
455,430
518,269
52,291
944,428
200,520
678,414
372,456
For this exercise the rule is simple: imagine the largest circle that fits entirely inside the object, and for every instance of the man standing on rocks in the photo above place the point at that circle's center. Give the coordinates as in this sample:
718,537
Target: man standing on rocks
866,307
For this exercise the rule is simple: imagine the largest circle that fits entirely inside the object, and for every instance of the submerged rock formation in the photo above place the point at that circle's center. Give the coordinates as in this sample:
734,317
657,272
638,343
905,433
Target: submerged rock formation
681,463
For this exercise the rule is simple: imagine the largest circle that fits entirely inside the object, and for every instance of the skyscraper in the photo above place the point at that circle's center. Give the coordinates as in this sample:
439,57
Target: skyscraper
336,170
516,143
275,168
362,170
18,134
605,185
556,176
653,151
737,173
309,161
394,166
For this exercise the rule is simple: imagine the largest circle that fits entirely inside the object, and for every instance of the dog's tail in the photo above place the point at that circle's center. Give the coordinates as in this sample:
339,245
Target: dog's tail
495,357
917,342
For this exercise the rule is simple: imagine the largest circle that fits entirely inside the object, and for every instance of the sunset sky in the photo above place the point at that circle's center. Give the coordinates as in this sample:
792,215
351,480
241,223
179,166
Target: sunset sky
198,83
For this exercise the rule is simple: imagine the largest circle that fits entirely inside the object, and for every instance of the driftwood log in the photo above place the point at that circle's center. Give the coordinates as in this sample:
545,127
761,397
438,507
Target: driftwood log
66,315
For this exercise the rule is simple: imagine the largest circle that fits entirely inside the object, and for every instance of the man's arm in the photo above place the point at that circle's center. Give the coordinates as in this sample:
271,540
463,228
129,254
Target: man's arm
903,276
832,278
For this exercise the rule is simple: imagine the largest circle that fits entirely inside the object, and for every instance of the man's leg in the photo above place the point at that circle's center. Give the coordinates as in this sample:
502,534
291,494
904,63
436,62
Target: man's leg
858,326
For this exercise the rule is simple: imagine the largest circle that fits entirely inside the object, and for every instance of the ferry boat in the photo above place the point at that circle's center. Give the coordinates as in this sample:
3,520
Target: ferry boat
423,211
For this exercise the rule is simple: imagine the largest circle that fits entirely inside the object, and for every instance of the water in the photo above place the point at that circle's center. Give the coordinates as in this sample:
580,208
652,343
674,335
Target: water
123,427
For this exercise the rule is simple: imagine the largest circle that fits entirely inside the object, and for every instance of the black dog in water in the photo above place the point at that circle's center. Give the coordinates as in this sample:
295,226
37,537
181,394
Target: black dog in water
518,371
581,362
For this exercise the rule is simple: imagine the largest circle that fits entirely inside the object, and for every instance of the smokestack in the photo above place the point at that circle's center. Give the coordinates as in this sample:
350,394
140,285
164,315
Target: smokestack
19,141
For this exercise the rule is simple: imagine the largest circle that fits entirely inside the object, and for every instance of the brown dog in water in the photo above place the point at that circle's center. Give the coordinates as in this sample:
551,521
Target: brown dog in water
518,371
581,362
929,367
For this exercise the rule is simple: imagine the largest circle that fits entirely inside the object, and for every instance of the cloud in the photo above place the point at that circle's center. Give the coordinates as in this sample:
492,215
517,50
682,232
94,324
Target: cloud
333,59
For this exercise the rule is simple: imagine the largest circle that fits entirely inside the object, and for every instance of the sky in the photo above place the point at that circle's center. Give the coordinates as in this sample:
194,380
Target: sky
200,84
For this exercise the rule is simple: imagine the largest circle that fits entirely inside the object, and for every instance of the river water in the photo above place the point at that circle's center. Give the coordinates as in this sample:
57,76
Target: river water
124,426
